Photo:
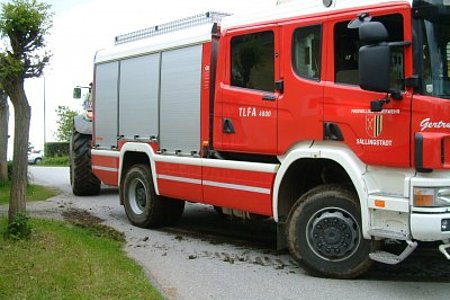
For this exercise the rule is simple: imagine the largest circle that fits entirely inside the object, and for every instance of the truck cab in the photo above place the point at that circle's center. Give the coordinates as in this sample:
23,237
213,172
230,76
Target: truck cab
371,81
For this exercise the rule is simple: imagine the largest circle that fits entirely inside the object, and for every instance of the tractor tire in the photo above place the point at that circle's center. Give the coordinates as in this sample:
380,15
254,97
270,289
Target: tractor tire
142,206
324,233
82,180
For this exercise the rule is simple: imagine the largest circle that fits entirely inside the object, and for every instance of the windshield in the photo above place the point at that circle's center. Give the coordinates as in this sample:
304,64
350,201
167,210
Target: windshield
434,23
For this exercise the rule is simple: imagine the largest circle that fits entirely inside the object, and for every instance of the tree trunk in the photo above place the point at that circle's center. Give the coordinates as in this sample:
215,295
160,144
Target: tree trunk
22,115
4,118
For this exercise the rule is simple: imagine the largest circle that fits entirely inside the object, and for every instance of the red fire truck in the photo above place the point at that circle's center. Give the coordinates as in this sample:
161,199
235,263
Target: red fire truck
331,117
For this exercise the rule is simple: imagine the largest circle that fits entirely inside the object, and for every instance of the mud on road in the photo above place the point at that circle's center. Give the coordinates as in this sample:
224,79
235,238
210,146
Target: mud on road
254,242
425,264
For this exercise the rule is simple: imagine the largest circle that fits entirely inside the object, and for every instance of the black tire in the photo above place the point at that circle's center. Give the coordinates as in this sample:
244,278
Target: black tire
324,233
82,180
37,161
173,210
218,210
142,206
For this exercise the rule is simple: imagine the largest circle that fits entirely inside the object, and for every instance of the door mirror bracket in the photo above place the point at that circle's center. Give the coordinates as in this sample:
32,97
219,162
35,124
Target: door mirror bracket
377,105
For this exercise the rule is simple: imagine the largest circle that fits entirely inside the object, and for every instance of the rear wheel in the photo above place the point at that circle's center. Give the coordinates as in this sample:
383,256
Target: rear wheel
82,180
142,206
324,233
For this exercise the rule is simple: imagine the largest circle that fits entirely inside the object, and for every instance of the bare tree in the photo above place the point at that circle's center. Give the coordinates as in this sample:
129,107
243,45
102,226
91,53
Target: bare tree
23,26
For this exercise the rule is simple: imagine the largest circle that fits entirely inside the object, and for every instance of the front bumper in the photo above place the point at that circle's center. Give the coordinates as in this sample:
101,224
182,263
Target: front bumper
426,222
428,226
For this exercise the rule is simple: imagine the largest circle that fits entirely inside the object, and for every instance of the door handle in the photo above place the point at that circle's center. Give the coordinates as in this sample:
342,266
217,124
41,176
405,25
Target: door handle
228,126
268,97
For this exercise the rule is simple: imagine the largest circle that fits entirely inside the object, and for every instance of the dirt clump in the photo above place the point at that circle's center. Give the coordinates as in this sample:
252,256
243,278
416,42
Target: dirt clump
84,219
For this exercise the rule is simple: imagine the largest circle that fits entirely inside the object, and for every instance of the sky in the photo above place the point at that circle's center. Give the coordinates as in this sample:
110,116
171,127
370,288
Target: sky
80,28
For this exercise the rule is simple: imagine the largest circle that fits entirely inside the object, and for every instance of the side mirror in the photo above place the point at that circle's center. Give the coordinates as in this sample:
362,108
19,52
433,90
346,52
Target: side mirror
373,33
374,58
375,67
77,93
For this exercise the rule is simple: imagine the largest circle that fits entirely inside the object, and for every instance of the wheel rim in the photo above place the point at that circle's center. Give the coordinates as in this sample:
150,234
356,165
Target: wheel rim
333,234
137,196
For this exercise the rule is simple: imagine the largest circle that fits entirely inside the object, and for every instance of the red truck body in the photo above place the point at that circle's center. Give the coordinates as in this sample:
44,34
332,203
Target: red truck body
269,114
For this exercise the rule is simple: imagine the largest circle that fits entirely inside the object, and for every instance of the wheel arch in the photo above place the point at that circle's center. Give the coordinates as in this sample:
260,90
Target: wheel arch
134,153
82,125
308,165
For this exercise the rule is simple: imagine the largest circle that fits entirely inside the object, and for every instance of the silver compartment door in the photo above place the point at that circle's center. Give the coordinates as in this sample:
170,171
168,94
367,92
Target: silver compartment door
138,97
180,100
105,106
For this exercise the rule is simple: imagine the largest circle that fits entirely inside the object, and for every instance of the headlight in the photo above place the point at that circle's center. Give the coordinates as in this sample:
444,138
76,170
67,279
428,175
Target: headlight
434,197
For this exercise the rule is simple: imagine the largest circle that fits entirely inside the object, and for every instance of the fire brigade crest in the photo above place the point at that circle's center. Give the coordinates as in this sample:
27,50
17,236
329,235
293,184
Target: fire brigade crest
374,125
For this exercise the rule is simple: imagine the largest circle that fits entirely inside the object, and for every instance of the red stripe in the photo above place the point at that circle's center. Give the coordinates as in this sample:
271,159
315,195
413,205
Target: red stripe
105,161
242,200
107,177
229,197
180,190
179,170
241,177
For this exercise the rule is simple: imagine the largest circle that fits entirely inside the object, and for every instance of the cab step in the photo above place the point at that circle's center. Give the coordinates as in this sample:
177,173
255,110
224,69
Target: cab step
387,257
445,249
382,233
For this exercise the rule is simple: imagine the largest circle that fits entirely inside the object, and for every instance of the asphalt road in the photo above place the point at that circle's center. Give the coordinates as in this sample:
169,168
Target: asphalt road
208,257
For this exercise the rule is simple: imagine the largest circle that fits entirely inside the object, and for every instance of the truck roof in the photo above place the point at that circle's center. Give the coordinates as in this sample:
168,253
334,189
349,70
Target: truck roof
293,8
170,35
183,32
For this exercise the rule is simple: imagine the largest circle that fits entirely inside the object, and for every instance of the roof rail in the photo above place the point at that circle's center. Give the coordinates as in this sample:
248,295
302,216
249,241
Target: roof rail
196,20
326,3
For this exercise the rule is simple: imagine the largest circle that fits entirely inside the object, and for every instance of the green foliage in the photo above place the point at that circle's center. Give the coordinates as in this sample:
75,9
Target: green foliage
65,123
19,228
34,192
24,24
56,149
63,261
62,161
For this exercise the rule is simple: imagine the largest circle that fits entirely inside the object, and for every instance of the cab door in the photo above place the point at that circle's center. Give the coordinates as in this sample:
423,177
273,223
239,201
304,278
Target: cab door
377,137
247,117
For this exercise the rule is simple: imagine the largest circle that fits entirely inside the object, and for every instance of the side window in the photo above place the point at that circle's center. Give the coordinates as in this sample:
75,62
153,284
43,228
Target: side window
347,44
252,61
307,52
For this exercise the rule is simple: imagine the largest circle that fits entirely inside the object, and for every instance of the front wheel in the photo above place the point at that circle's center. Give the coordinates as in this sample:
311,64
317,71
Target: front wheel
324,233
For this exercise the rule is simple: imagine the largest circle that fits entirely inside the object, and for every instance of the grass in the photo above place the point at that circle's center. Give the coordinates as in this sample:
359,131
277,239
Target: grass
61,161
34,192
65,261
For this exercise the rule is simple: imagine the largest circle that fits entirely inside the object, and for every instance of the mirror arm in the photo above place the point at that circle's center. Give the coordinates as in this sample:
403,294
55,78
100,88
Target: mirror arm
399,44
396,94
377,105
413,81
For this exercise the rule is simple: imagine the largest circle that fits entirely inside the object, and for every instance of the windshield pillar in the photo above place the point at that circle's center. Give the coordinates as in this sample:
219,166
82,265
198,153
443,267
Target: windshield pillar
431,27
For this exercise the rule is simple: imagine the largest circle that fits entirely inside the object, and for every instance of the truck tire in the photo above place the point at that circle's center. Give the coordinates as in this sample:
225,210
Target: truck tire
173,210
82,180
324,233
142,206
